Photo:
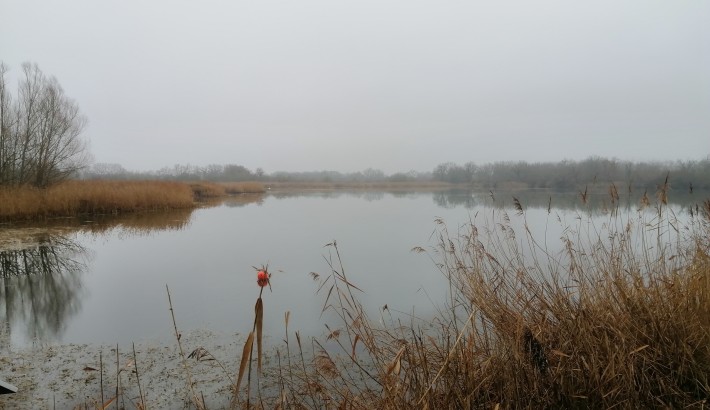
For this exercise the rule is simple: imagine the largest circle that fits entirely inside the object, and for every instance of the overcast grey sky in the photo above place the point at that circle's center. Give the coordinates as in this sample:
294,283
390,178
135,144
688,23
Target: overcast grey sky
397,85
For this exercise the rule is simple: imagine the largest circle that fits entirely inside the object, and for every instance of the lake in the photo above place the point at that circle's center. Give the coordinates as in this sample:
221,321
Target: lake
104,280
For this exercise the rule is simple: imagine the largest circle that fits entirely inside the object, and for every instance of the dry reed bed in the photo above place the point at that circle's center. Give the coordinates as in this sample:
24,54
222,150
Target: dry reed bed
620,318
205,190
92,197
243,187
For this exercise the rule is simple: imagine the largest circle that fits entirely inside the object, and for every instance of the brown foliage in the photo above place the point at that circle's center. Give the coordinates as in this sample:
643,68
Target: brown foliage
92,197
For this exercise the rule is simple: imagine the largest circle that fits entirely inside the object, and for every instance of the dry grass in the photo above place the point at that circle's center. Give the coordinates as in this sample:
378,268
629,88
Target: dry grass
233,188
206,190
92,197
620,318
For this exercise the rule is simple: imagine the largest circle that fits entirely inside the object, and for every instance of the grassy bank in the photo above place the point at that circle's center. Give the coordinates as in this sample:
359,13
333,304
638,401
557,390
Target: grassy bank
74,198
92,197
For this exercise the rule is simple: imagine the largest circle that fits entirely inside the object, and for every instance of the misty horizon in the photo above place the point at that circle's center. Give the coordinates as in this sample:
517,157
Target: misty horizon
394,86
663,163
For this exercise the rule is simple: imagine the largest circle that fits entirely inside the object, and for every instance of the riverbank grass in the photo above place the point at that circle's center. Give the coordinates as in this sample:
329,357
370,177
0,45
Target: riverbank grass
73,198
92,197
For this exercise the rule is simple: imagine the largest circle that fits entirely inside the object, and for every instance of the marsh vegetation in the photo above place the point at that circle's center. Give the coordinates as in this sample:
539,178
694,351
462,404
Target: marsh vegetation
606,305
618,318
76,198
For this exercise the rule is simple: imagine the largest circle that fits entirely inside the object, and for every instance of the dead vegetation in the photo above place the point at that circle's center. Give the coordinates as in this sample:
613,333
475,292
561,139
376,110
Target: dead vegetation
620,318
234,188
92,197
101,197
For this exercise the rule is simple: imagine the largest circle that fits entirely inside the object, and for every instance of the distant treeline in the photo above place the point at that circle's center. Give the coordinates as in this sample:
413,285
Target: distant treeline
236,173
563,175
567,175
214,172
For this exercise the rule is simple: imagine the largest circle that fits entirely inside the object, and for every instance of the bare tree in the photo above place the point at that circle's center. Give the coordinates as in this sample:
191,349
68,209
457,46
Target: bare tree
7,127
40,133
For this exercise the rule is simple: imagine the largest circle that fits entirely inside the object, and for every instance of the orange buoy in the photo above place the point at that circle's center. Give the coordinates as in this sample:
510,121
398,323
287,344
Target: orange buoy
262,278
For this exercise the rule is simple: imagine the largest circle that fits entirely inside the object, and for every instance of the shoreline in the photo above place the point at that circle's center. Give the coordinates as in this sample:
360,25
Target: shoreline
97,198
91,198
69,375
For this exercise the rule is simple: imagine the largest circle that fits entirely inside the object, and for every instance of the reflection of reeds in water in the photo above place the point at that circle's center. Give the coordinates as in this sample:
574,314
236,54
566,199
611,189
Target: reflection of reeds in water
139,223
26,235
237,201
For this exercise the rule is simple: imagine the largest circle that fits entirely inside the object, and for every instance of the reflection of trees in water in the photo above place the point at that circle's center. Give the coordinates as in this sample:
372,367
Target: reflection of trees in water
504,199
366,194
41,285
41,268
449,200
130,224
598,198
541,199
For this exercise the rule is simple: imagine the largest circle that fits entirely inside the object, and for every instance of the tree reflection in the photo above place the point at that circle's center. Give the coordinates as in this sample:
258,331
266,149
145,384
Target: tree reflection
41,285
596,200
42,267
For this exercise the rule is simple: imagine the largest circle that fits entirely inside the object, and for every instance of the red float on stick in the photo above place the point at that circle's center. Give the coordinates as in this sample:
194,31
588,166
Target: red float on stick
262,278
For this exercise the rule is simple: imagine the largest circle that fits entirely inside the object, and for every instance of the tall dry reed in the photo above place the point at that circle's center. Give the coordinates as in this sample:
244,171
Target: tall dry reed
243,187
92,197
205,190
619,318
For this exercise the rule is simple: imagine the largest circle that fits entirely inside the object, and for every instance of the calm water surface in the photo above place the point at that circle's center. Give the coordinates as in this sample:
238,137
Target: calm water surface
104,281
